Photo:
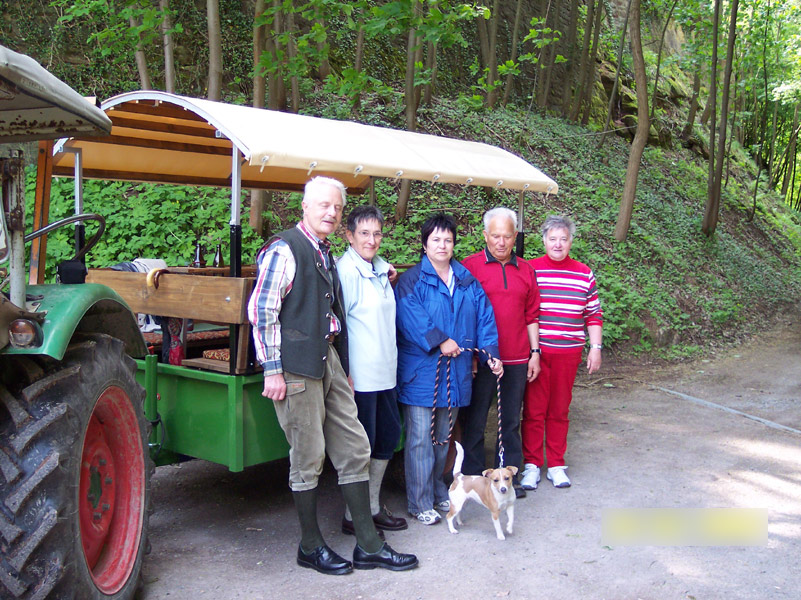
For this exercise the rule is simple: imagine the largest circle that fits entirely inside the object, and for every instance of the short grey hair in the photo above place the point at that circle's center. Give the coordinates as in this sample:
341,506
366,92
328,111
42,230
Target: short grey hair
499,211
558,222
318,182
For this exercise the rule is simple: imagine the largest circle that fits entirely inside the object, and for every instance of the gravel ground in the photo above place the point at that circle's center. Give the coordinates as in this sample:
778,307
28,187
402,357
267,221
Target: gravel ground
641,437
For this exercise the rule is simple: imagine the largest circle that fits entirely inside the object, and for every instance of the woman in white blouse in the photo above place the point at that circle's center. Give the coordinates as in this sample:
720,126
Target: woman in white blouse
369,304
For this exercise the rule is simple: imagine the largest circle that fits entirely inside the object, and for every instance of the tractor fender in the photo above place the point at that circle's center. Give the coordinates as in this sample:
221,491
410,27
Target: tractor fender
85,308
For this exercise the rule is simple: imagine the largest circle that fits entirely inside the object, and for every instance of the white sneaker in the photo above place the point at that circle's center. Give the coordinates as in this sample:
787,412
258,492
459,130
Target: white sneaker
427,517
443,506
531,477
558,476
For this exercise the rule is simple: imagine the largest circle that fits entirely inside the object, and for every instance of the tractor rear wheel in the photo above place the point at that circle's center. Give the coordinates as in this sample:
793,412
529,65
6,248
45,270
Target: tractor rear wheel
75,484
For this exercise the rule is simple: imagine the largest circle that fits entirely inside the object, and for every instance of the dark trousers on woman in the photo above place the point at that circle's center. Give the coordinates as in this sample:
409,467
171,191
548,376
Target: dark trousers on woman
474,417
379,413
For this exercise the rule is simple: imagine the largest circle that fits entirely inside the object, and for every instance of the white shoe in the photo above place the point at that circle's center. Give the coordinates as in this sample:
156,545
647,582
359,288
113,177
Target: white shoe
427,517
558,476
531,477
443,506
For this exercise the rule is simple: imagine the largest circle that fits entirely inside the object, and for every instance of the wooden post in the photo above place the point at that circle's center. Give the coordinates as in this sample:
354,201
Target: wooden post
41,211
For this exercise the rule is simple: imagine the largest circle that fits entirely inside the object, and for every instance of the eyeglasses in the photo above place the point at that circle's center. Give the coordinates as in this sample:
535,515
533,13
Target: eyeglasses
368,234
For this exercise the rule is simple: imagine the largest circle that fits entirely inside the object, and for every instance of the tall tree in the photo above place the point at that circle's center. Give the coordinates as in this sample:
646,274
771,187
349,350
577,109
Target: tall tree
613,94
570,52
259,35
410,98
488,37
578,94
712,209
139,54
167,42
507,88
215,49
589,84
643,125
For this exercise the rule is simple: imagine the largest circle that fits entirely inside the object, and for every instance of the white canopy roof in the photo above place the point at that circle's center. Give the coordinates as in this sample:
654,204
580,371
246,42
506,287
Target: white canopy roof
35,105
168,138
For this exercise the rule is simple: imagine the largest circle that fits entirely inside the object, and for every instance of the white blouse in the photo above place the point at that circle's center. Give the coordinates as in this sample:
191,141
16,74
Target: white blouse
369,304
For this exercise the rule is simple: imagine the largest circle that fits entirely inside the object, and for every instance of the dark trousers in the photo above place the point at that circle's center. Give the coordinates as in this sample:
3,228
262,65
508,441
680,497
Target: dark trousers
474,417
379,413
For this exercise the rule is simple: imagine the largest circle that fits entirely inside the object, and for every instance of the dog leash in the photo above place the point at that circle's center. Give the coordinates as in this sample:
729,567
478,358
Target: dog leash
447,440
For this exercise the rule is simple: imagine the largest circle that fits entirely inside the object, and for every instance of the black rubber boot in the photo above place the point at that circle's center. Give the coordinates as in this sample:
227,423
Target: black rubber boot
357,497
306,505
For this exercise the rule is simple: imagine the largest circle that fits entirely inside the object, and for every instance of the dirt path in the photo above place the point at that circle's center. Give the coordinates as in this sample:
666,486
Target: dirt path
651,441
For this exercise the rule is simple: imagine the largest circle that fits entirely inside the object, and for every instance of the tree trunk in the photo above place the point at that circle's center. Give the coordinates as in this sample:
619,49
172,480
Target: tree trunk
492,73
276,90
550,62
772,150
139,54
324,69
292,54
357,61
431,67
710,222
583,65
659,56
613,95
570,55
507,88
411,103
166,36
215,49
259,36
791,151
589,87
688,128
641,137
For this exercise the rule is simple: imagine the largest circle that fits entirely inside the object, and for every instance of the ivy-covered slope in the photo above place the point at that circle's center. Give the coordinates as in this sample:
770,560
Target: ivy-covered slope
668,288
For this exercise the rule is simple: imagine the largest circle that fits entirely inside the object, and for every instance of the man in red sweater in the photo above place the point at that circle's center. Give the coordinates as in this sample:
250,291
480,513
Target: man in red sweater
510,283
568,303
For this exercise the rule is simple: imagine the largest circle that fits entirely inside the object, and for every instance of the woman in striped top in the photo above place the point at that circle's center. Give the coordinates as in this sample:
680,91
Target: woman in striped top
568,303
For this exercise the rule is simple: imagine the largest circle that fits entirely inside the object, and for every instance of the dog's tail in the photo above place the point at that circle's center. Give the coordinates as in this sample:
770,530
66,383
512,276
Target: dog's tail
457,464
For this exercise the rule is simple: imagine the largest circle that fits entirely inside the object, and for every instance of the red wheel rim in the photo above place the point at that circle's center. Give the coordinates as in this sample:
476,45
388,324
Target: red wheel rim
112,490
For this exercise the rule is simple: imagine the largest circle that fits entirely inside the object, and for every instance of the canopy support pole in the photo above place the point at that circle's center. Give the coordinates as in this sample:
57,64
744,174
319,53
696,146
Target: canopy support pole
519,249
80,228
236,246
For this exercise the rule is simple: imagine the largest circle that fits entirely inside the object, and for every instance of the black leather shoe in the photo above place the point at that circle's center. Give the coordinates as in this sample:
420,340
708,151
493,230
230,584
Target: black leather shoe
519,491
348,529
386,520
324,560
385,558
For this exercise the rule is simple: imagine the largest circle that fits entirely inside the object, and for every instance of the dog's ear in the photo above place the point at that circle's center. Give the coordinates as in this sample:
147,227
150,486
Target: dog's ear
513,470
486,472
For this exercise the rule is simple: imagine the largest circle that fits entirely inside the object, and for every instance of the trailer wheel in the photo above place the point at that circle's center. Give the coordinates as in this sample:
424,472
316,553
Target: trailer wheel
75,485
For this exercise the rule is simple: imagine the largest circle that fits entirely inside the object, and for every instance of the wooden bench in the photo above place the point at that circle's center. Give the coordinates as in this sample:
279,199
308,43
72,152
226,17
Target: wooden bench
217,299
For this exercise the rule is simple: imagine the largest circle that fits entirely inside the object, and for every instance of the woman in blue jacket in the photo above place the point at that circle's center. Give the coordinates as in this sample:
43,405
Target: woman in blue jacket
441,309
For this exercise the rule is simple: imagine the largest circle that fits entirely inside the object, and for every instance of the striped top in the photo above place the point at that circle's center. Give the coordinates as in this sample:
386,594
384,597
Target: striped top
568,302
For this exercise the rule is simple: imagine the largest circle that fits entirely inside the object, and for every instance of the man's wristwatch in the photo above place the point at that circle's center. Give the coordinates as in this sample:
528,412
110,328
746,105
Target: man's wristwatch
535,351
596,346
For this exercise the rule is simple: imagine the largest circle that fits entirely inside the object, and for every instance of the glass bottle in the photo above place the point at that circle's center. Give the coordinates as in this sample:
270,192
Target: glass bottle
218,257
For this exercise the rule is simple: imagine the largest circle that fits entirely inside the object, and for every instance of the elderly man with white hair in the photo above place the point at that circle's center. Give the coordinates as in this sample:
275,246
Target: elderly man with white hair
511,285
300,336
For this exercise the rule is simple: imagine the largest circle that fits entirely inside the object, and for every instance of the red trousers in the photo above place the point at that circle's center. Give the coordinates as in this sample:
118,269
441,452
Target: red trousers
546,409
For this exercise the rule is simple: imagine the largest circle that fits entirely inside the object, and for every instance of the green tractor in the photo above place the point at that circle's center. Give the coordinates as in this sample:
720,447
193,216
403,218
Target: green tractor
86,407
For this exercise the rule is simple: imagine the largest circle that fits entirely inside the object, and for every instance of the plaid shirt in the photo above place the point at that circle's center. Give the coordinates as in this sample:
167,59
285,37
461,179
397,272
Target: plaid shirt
277,268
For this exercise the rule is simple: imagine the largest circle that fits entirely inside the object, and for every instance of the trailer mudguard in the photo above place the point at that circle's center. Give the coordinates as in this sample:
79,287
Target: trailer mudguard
87,308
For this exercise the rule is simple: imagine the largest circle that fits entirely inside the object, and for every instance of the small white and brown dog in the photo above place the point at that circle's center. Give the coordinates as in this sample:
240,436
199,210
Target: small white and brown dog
492,489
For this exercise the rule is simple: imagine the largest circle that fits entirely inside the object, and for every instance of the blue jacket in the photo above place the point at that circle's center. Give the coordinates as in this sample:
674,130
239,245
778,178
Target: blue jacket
427,315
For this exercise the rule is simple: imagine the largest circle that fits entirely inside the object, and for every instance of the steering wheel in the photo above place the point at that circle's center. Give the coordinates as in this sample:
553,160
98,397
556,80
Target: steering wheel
101,227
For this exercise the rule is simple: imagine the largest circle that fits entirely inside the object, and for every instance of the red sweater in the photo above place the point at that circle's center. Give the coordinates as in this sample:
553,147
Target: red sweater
568,302
512,291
